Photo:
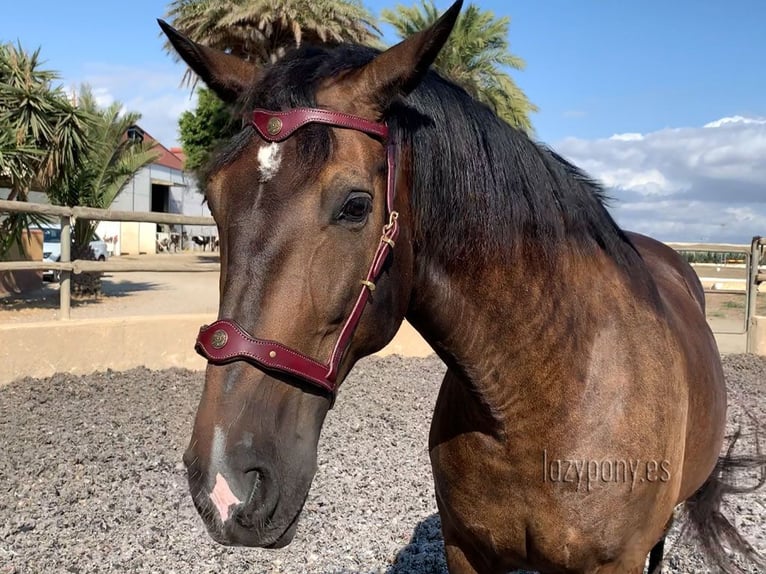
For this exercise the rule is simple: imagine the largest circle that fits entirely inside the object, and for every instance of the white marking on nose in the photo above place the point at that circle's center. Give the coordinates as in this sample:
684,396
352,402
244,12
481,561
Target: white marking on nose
269,158
223,498
217,459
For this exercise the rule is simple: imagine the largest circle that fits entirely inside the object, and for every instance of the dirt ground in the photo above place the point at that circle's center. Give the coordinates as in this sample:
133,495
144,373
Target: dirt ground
93,479
126,294
727,306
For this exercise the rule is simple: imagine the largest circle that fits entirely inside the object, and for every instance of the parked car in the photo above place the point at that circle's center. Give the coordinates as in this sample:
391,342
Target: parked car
52,249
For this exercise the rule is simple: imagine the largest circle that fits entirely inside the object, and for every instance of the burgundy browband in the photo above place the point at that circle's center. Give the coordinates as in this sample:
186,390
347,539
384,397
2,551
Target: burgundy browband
225,341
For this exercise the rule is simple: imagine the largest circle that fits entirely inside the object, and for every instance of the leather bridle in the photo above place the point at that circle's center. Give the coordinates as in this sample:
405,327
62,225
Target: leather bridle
225,341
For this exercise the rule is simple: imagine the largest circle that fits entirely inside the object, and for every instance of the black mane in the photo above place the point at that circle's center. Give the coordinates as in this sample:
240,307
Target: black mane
479,186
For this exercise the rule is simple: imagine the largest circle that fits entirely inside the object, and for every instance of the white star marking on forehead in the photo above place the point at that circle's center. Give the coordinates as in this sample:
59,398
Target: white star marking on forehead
269,159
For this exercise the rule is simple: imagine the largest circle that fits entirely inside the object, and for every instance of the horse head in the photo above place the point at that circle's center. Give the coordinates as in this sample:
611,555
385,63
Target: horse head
316,265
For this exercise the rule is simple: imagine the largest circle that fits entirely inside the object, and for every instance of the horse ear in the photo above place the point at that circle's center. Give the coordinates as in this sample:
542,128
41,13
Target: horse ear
399,70
228,76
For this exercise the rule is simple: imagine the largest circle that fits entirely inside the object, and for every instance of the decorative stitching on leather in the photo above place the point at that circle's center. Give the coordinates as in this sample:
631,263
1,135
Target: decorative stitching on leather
266,343
334,119
324,383
319,111
319,116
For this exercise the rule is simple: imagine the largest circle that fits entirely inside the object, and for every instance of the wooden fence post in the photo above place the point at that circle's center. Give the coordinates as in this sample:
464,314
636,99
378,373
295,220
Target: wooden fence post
65,282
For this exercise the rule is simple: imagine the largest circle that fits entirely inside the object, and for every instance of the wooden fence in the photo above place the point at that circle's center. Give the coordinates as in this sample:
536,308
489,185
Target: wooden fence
752,255
66,266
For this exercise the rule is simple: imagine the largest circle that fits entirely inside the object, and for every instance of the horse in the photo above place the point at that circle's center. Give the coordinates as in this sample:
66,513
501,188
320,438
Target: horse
365,189
201,241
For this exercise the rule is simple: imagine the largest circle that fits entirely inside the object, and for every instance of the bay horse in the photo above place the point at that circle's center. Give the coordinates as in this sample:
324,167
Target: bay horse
363,189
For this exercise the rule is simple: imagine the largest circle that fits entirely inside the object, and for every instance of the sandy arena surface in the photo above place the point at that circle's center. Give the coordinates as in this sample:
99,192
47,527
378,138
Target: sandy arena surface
91,478
125,294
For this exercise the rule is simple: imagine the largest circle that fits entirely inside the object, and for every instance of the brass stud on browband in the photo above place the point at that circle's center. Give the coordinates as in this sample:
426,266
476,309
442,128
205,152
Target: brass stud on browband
272,354
274,126
219,339
369,284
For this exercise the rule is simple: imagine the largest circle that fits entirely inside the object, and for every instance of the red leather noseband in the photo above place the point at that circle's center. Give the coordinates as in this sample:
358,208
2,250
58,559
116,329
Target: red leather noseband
225,341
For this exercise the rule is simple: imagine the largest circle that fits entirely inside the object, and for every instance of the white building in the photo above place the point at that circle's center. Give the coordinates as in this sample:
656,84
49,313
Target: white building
163,186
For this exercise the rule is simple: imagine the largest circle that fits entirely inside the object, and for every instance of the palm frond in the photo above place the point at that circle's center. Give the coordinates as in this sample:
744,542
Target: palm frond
110,161
476,56
43,133
262,30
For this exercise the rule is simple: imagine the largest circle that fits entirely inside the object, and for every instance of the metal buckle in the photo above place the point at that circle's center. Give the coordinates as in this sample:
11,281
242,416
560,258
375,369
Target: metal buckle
391,221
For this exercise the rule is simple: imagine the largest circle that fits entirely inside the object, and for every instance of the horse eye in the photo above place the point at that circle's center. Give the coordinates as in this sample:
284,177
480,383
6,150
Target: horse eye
356,208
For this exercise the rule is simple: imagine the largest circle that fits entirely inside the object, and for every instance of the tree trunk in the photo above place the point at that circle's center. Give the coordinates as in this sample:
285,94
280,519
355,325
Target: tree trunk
85,284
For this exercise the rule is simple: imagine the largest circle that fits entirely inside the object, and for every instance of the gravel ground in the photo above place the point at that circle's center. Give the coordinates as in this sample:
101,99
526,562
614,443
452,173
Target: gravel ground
91,478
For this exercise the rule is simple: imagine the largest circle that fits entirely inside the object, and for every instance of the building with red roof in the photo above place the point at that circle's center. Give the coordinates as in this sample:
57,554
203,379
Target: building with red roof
162,186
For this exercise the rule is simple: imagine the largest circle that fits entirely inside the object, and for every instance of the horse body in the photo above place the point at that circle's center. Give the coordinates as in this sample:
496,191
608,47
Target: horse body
523,389
584,397
684,299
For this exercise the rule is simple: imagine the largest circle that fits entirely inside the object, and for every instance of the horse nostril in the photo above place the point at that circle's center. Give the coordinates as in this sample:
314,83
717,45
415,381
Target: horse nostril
261,501
254,478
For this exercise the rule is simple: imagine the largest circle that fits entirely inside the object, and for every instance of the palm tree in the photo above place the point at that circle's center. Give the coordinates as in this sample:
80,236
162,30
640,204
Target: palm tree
42,134
474,57
262,30
110,161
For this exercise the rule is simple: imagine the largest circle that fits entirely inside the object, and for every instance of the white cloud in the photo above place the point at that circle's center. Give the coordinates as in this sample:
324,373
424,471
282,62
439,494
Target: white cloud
683,184
103,97
155,91
734,120
627,137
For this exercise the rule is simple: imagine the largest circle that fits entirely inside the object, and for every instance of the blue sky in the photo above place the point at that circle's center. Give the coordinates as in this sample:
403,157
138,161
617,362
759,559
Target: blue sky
595,68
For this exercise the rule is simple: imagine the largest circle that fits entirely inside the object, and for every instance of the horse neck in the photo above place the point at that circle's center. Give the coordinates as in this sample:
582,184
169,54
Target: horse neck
503,329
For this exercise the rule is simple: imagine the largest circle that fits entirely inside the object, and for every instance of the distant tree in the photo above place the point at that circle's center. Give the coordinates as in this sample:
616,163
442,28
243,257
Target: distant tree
108,164
473,57
42,134
202,129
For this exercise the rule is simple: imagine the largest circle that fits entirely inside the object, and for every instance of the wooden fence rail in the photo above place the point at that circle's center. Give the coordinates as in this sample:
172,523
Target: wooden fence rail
711,247
103,214
752,256
67,215
83,266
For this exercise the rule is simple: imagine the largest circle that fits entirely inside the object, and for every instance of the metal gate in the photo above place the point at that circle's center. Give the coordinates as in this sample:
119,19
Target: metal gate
752,277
